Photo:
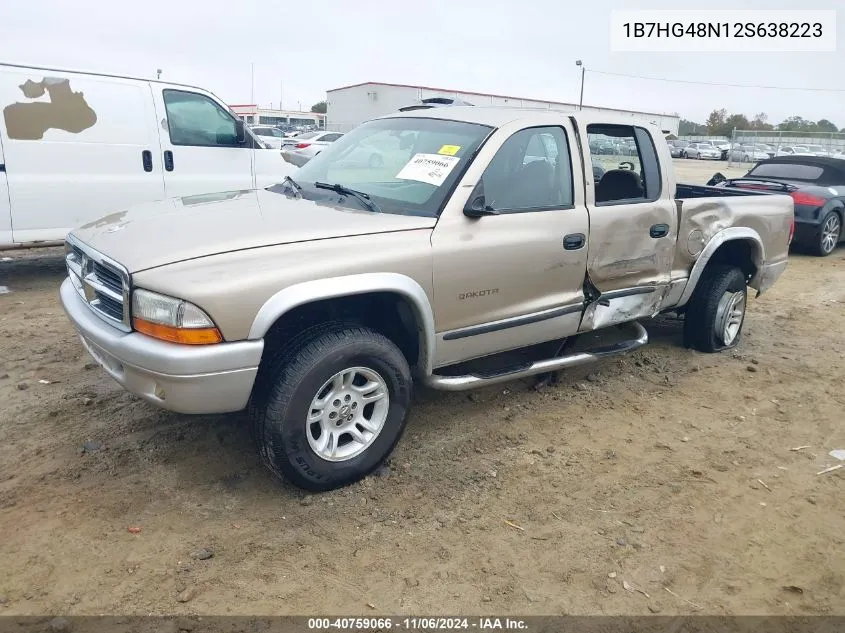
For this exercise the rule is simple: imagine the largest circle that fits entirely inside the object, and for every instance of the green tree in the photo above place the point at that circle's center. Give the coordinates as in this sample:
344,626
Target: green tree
823,125
319,107
735,122
691,128
716,121
761,122
796,124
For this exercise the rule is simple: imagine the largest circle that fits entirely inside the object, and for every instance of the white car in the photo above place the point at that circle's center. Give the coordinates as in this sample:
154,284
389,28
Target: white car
748,153
299,150
270,136
704,149
794,150
818,150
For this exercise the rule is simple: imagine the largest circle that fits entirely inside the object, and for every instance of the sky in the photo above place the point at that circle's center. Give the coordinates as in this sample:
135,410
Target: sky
300,49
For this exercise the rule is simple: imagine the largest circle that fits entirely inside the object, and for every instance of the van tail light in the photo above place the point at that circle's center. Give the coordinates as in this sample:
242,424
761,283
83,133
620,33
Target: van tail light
807,199
301,145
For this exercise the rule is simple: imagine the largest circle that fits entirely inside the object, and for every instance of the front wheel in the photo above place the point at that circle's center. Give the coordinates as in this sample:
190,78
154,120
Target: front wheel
333,408
829,234
716,312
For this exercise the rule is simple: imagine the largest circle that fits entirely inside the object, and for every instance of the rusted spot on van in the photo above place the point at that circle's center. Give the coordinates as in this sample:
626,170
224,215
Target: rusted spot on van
66,110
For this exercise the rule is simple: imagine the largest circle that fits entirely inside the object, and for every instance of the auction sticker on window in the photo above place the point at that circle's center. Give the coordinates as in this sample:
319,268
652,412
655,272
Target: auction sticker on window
430,168
449,150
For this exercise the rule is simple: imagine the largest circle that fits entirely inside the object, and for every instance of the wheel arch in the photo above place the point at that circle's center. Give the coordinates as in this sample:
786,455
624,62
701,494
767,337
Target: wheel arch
351,291
741,246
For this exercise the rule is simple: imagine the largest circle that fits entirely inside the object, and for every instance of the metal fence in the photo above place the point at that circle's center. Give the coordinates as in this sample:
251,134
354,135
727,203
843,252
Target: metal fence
749,146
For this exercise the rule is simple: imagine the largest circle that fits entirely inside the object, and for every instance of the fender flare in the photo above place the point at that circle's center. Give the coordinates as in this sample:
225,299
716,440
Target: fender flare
722,237
349,285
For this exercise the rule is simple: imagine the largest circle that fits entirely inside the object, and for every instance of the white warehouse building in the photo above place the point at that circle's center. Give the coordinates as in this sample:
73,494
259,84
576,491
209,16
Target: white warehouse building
352,105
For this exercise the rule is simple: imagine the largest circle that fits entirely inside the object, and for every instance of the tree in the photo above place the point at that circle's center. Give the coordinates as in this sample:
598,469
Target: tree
716,121
796,124
824,125
736,122
319,107
760,122
691,128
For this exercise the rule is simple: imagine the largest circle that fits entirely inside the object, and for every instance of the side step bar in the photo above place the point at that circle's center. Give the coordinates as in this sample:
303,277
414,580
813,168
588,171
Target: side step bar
461,383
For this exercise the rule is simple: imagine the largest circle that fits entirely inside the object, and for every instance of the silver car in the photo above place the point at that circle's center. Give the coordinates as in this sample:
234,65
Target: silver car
300,149
704,149
748,153
270,136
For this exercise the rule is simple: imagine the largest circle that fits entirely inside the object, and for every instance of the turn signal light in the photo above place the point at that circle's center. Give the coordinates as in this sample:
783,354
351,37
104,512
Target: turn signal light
185,336
302,145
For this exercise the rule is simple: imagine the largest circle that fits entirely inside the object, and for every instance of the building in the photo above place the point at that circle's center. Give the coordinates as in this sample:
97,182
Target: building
351,105
252,113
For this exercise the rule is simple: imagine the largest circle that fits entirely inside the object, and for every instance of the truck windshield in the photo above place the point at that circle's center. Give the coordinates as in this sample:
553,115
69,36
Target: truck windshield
405,165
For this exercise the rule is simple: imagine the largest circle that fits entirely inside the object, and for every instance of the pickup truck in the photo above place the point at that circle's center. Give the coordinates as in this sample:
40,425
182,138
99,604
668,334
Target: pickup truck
478,250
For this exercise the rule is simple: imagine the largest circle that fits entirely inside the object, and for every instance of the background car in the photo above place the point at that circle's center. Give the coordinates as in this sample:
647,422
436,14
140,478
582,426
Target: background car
818,150
677,147
817,187
270,136
704,149
301,149
793,150
748,153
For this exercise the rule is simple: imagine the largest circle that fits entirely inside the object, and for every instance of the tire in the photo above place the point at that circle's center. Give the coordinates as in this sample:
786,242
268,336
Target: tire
746,159
716,312
289,391
830,232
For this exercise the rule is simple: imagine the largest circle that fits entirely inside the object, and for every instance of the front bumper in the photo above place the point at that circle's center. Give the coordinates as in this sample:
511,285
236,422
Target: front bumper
183,378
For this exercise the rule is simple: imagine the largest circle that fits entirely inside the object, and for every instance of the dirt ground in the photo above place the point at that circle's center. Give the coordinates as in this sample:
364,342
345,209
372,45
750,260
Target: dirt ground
663,481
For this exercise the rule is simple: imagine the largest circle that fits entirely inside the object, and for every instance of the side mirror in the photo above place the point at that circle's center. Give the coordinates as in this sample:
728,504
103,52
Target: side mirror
240,132
716,179
476,206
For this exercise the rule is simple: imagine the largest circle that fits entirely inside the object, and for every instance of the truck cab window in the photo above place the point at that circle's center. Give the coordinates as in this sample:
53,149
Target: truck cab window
194,119
625,163
530,172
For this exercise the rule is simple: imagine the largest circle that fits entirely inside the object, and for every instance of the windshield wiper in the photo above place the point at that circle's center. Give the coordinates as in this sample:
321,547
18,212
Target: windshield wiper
360,196
297,187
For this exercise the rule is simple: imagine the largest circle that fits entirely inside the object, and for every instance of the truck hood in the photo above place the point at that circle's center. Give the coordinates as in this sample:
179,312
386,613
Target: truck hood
173,230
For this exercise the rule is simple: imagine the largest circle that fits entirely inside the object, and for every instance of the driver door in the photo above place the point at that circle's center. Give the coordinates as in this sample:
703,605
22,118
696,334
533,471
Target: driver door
199,148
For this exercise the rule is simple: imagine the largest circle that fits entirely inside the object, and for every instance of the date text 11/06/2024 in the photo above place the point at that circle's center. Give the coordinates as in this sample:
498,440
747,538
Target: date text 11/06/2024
418,624
723,29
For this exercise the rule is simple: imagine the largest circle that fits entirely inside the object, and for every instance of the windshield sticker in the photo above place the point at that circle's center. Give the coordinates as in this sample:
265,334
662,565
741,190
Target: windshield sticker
449,150
430,168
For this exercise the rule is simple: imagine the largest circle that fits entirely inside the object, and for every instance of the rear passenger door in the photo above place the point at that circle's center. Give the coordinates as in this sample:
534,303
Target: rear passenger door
199,146
633,228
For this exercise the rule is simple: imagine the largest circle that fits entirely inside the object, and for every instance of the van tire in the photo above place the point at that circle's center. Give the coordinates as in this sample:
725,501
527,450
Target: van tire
295,380
718,302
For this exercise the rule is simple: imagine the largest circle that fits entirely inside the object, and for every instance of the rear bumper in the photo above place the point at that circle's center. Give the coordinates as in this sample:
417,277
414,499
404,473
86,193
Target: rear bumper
768,275
183,378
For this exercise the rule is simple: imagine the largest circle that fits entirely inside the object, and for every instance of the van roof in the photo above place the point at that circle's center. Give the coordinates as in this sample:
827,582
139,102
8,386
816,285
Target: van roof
98,74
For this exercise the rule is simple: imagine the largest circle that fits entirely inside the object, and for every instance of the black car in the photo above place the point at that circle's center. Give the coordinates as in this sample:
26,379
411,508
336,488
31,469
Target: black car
815,183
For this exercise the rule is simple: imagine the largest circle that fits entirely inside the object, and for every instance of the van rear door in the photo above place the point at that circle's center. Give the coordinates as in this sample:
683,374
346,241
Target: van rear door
199,144
5,208
77,146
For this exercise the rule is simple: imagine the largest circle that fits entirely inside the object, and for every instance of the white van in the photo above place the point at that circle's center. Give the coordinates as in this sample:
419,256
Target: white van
75,146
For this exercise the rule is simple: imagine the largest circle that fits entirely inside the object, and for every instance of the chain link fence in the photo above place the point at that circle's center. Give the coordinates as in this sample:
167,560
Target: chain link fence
749,146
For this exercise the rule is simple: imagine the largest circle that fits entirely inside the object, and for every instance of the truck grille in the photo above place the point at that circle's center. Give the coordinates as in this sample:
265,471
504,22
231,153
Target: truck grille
101,282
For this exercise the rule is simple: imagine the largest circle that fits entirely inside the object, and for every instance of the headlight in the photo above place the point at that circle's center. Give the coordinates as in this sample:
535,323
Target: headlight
173,320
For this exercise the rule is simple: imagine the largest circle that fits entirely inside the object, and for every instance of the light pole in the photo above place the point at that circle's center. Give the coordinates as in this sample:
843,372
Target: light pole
578,62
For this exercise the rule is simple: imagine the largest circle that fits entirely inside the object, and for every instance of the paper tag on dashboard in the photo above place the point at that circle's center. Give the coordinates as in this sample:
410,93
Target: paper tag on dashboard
430,168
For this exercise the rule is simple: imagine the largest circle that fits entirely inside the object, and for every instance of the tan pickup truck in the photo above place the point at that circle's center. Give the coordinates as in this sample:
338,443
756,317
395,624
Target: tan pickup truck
452,246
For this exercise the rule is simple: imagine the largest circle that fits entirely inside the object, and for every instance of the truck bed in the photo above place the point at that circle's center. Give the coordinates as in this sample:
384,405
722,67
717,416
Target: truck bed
686,192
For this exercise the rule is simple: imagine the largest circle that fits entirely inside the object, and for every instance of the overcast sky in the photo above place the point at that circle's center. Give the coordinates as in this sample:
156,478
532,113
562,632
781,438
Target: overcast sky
524,48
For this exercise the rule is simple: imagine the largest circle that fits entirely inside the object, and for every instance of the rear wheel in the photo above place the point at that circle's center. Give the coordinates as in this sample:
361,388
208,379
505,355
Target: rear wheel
716,312
333,408
829,234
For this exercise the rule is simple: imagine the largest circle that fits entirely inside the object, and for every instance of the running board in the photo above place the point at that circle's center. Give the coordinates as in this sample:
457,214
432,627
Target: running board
461,383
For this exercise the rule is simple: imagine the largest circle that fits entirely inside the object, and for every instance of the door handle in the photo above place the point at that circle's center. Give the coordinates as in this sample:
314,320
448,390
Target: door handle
659,230
574,241
147,160
168,160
